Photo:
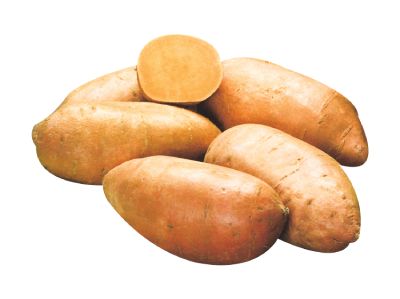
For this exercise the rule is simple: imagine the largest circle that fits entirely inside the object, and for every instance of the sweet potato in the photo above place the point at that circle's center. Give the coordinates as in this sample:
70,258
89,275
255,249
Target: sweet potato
121,86
82,142
201,212
324,211
179,69
256,91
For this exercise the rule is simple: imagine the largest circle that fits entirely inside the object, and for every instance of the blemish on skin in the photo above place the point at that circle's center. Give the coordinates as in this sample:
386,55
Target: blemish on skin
344,196
286,211
236,234
324,175
309,202
337,241
93,108
272,150
74,166
359,148
346,132
178,250
230,223
328,101
62,139
206,209
227,160
260,208
332,214
287,175
170,226
304,134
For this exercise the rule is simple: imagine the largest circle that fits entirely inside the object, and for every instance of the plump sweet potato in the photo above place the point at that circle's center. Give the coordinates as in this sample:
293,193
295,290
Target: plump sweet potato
256,91
324,211
198,211
82,142
120,86
179,69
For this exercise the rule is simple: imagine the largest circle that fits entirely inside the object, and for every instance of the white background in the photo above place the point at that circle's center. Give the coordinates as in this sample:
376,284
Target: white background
63,240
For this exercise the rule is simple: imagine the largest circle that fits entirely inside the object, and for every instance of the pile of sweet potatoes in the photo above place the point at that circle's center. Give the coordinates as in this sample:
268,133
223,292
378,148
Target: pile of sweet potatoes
143,133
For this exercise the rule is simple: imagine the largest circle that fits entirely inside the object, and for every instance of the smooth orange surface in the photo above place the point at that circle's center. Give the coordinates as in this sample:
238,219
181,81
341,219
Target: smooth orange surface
179,69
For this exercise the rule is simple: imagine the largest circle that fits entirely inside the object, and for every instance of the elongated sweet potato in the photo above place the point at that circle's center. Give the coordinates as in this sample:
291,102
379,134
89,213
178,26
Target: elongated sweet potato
324,211
198,211
179,69
121,86
256,91
82,142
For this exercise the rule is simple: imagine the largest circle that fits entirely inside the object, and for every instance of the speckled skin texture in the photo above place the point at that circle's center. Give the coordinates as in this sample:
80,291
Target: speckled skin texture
201,212
121,86
256,91
82,142
324,211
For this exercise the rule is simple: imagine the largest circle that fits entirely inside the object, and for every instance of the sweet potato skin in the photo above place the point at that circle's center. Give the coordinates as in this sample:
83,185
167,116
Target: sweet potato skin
256,91
82,142
324,211
201,212
119,86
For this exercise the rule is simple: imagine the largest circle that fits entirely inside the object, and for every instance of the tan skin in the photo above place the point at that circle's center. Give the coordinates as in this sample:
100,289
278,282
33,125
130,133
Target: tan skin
82,142
198,211
256,91
121,86
324,211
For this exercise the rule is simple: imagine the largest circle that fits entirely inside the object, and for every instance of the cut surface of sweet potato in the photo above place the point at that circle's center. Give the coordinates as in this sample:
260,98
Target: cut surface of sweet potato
179,69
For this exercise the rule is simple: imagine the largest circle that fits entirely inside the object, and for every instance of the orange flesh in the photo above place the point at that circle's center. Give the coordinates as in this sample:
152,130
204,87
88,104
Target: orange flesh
179,69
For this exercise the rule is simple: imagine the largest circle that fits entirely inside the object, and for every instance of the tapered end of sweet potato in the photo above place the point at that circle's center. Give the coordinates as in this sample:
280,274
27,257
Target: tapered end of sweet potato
355,149
179,69
35,133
